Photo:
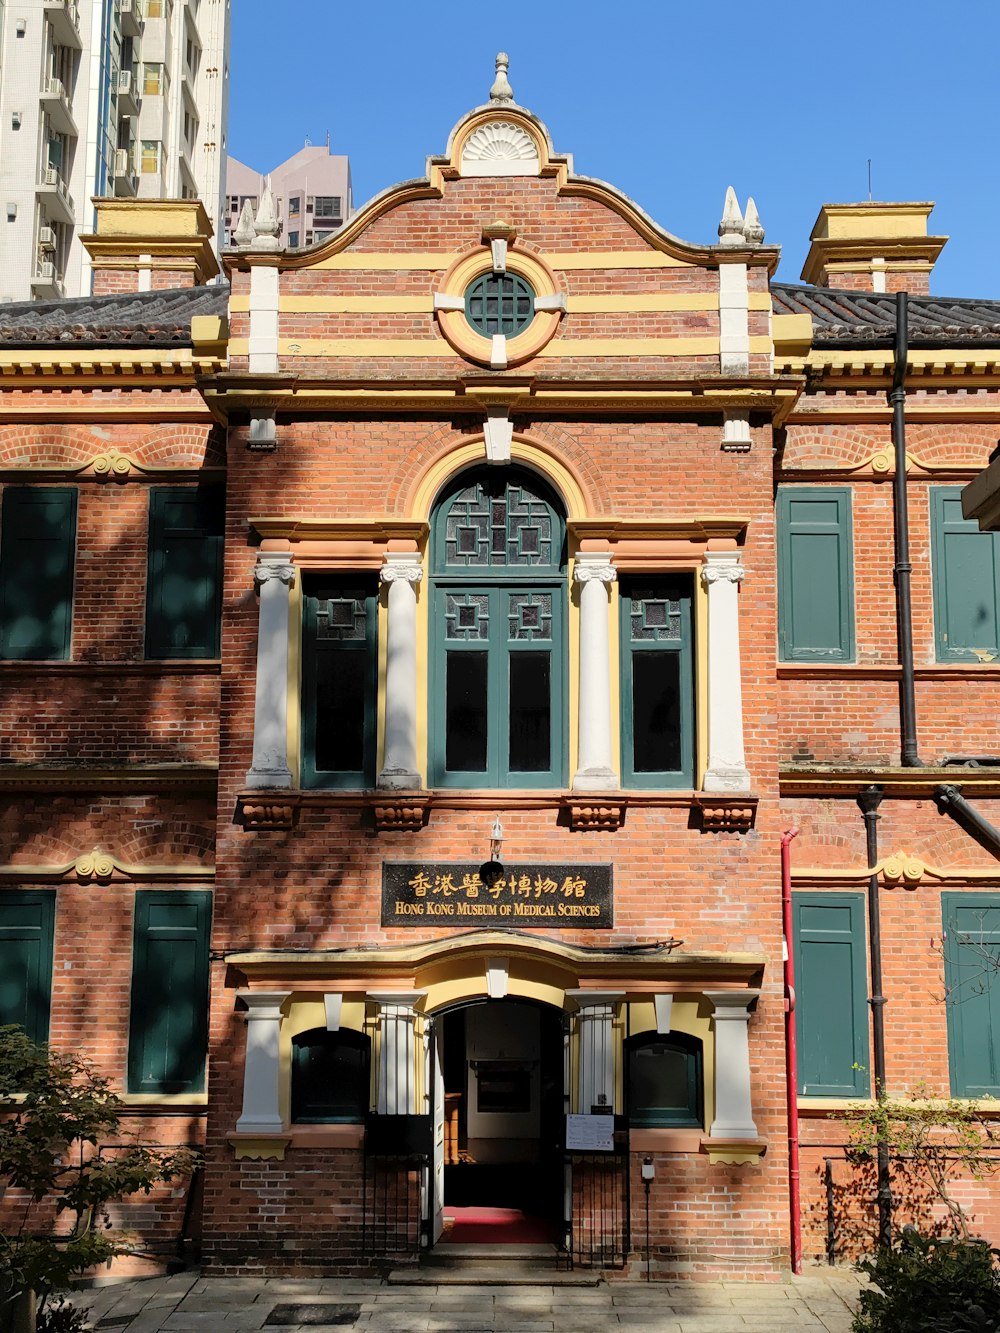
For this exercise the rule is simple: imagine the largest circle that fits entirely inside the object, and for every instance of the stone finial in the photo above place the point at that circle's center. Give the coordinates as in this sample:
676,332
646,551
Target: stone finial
244,232
753,232
266,226
502,91
731,226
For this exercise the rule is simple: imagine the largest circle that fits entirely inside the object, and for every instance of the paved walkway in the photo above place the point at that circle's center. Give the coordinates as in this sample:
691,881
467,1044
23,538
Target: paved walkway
186,1303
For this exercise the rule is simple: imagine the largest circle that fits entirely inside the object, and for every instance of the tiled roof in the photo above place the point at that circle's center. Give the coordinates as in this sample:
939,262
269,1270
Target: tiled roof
848,318
144,319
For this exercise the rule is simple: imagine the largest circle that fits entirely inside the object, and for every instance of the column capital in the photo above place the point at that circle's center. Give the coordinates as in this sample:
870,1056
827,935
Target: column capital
594,566
274,565
397,999
593,999
731,1004
401,566
263,1004
718,565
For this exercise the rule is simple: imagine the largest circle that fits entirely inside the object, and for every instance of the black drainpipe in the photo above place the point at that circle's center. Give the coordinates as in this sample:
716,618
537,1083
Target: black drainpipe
951,801
869,799
904,613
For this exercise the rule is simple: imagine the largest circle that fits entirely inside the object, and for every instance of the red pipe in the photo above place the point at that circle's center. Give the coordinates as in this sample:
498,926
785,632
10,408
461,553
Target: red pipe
791,1059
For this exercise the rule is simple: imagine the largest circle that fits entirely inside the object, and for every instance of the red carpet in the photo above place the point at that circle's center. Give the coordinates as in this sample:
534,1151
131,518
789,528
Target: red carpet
495,1226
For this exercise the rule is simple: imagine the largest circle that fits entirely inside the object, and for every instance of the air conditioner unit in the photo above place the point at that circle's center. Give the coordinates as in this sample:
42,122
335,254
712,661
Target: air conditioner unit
46,238
124,80
46,270
121,162
51,176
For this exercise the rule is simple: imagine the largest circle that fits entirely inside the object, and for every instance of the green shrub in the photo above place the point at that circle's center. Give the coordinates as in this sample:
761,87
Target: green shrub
57,1315
931,1286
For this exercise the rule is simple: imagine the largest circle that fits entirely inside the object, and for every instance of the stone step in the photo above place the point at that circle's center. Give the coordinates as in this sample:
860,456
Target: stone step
469,1273
445,1251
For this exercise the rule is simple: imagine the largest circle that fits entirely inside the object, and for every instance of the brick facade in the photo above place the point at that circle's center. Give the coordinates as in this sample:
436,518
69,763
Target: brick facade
622,411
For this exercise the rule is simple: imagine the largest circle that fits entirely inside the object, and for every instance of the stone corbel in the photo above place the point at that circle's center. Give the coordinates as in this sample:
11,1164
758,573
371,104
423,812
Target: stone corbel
498,236
591,817
267,815
407,815
736,431
726,814
263,435
498,433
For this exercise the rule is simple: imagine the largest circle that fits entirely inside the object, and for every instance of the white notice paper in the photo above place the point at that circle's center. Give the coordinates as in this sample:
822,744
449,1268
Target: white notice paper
590,1133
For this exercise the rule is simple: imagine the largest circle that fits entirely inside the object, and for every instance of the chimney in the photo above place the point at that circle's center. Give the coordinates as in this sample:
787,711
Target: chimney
873,247
142,245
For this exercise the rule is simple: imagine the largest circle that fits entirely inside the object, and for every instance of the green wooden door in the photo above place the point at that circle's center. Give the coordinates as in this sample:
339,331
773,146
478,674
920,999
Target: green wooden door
168,1019
972,986
657,682
966,581
184,584
831,990
37,549
26,929
815,575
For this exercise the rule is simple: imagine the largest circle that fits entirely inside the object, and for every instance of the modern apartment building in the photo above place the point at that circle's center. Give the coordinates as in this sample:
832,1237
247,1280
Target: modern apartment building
311,192
118,98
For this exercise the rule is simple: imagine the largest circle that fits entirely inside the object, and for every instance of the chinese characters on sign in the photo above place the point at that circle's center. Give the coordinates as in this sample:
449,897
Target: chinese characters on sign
416,894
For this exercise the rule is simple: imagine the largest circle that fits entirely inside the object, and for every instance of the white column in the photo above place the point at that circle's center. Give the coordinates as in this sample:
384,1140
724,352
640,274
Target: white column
595,573
396,1072
727,768
733,1108
402,572
274,576
261,1072
596,1051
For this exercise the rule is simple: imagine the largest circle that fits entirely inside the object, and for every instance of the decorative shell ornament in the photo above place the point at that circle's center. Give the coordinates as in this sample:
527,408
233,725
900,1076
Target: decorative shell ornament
500,148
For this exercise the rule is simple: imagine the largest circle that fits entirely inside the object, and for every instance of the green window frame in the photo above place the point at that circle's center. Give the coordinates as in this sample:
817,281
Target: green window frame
499,303
37,558
339,681
966,579
972,991
665,1081
815,574
27,927
168,1014
831,994
657,681
331,1077
184,578
498,633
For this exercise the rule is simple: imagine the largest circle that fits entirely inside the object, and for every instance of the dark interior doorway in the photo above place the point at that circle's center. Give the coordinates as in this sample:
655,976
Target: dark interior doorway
504,1116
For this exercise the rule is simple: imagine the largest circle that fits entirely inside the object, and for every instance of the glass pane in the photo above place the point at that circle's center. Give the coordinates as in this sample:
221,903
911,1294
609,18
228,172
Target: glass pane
656,712
330,1081
530,711
465,713
340,712
659,1080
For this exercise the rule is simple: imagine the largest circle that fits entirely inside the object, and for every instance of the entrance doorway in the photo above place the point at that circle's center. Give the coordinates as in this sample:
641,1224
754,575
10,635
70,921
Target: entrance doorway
500,1111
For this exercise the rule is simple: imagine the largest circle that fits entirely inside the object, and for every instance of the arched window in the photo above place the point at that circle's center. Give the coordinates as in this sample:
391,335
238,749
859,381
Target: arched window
330,1076
665,1080
498,660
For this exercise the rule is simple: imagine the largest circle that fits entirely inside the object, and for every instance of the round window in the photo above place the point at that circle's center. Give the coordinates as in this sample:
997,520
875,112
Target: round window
499,303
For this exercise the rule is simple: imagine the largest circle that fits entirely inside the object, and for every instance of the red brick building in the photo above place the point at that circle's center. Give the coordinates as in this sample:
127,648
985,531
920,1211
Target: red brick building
413,653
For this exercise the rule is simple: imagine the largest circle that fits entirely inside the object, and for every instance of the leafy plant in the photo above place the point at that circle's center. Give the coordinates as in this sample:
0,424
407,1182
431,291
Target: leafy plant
58,1315
931,1285
933,1143
56,1184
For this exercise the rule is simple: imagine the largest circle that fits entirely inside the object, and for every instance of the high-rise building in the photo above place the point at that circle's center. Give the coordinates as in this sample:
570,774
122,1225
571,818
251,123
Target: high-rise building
311,192
118,98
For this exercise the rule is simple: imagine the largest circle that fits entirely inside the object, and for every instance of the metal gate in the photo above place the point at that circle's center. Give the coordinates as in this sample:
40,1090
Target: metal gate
599,1209
397,1157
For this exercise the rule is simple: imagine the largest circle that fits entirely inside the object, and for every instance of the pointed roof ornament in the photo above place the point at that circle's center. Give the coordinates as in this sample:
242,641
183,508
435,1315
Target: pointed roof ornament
244,232
731,226
502,92
266,226
753,232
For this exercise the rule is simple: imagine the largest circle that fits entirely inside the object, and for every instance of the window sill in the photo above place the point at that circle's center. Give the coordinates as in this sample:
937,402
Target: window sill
831,1107
885,670
158,666
665,1140
410,811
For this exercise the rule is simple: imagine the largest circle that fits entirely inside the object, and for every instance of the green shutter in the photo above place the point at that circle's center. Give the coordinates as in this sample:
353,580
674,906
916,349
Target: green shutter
972,986
26,927
831,991
657,688
184,584
966,590
815,575
37,546
168,1019
339,682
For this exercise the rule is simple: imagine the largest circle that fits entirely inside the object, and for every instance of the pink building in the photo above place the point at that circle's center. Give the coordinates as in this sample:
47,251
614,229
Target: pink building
312,194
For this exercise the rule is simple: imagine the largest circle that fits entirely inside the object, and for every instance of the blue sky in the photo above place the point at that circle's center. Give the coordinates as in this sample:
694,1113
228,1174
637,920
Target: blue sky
670,101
